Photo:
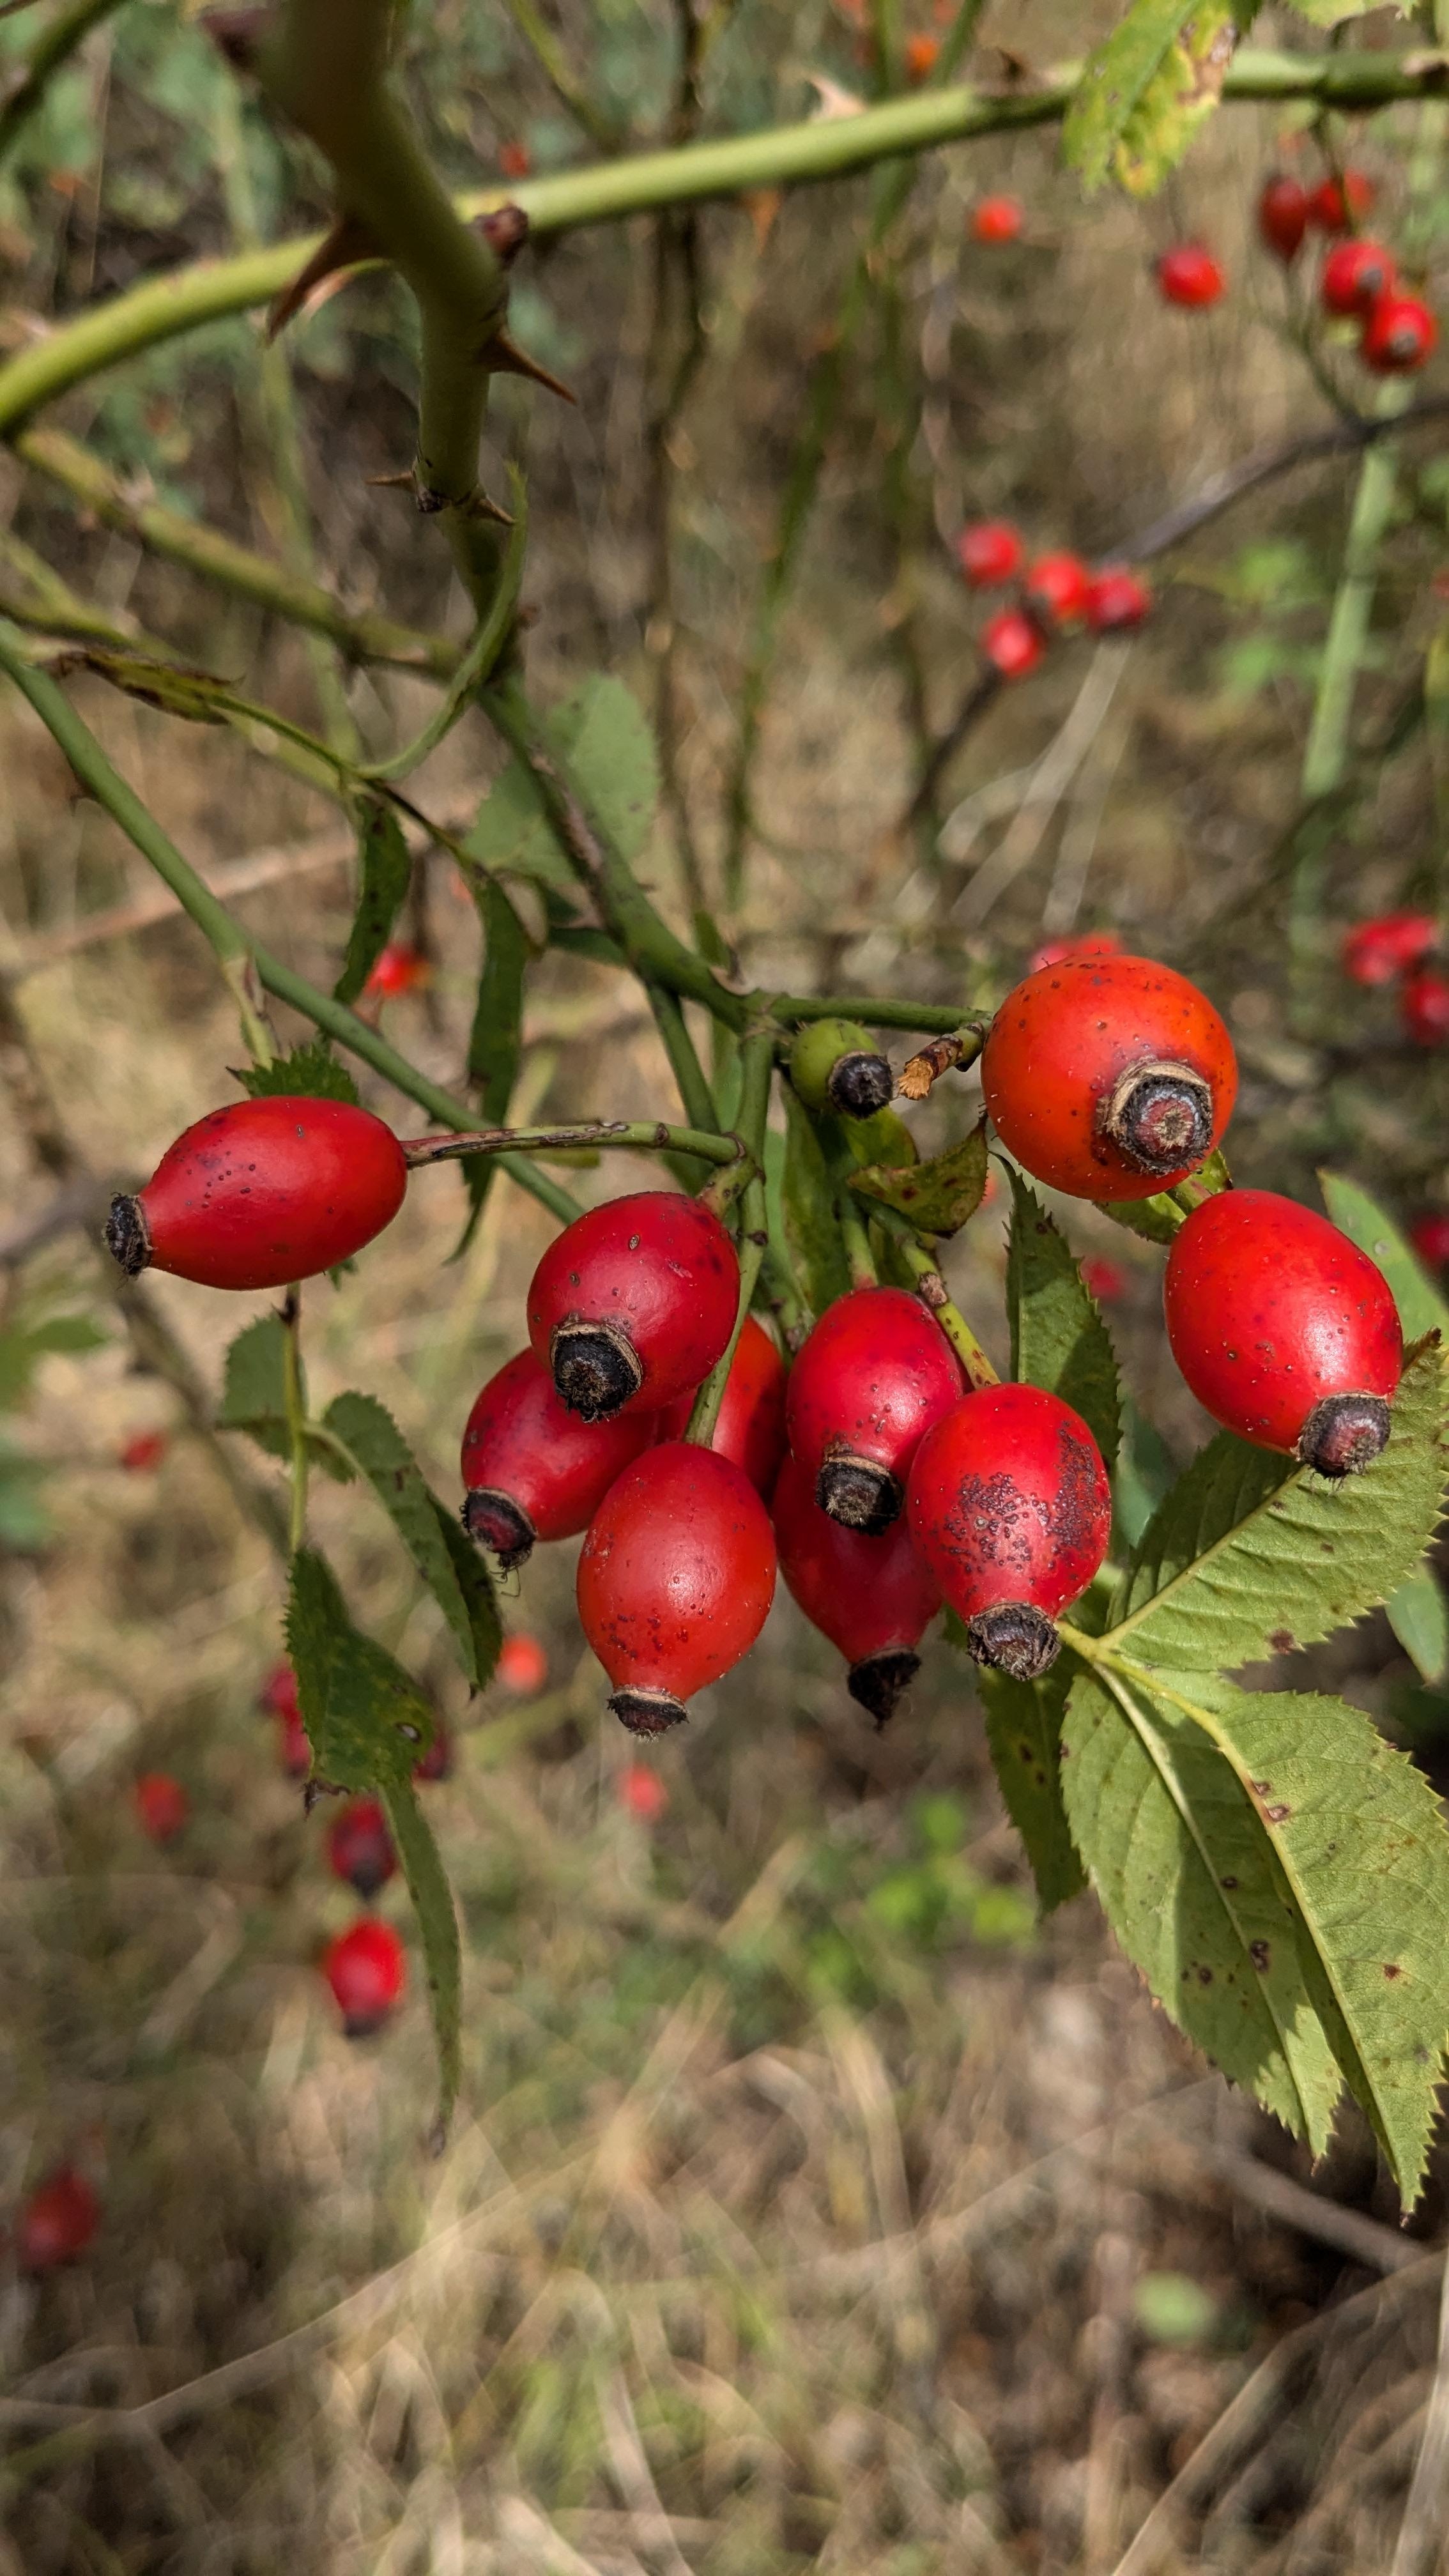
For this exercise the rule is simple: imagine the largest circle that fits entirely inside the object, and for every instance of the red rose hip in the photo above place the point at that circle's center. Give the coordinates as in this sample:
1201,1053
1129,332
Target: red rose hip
633,1303
870,1380
522,1666
1013,643
1424,1006
58,2222
534,1470
1117,600
998,219
1336,204
262,1193
1283,216
359,1847
162,1806
1011,1509
1190,276
1355,275
750,1427
874,1598
1057,589
1429,1235
1398,335
366,1968
990,551
1283,1329
675,1581
1108,1077
1379,950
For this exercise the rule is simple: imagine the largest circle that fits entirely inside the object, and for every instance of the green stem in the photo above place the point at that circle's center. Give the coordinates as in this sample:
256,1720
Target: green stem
557,70
216,558
684,1064
930,1019
295,1401
757,1059
643,1135
932,1287
228,941
49,54
487,648
778,157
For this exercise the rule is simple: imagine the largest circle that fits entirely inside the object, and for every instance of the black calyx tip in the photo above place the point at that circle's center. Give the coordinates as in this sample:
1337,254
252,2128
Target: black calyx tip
1161,1117
647,1712
363,2025
1014,1637
128,1238
858,1493
860,1084
1344,1434
880,1682
500,1524
368,1878
595,1369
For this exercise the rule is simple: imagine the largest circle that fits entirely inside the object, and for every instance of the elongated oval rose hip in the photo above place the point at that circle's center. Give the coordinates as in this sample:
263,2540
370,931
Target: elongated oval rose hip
366,1968
534,1470
262,1193
1010,1507
1108,1077
873,1376
675,1580
1283,1329
874,1598
633,1303
359,1847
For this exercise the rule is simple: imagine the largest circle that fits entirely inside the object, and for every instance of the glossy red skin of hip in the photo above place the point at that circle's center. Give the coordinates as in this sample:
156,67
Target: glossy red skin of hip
874,1374
366,1968
657,1265
750,1427
677,1573
1009,1501
867,1595
268,1191
58,2221
1270,1309
1060,1044
522,1440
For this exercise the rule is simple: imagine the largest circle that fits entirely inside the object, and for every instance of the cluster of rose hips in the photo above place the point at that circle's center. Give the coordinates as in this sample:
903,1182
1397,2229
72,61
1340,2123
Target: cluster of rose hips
1358,282
1056,595
1395,948
869,1471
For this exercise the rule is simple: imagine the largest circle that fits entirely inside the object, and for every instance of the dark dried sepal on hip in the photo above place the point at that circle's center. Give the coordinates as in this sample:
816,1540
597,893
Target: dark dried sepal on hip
879,1682
128,1238
1344,1434
595,1369
859,1084
858,1493
647,1712
500,1524
1014,1637
1161,1117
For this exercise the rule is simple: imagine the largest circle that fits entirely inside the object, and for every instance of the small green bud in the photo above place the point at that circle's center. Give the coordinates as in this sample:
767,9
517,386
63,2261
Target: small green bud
833,1065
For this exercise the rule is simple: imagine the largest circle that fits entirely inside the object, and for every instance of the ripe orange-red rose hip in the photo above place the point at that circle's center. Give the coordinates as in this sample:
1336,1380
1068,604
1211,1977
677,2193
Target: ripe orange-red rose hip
1010,1507
633,1303
1283,1329
874,1598
1108,1077
262,1193
534,1470
872,1377
675,1580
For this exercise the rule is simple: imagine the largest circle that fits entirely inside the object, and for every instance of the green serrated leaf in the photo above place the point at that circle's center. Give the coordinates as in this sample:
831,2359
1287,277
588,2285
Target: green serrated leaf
495,1045
1058,1338
1179,1858
603,733
1421,1307
384,870
1419,1617
1024,1729
1250,1555
438,1923
476,1586
254,1388
1156,1220
1143,1479
1362,1849
310,1072
938,1196
366,1720
1144,90
807,1198
370,1435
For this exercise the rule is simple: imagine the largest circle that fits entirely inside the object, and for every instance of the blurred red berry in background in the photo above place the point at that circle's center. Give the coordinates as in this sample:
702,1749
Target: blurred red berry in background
162,1806
643,1792
144,1449
1379,950
998,219
522,1664
58,2221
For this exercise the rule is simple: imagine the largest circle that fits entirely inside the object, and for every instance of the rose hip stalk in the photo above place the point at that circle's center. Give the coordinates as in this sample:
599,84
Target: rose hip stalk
1108,1077
675,1580
750,1424
1011,1509
262,1193
874,1598
872,1377
532,1469
1283,1329
633,1303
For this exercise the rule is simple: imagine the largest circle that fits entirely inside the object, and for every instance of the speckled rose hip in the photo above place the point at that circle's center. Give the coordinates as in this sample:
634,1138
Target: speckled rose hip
1010,1506
633,1303
262,1193
675,1580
